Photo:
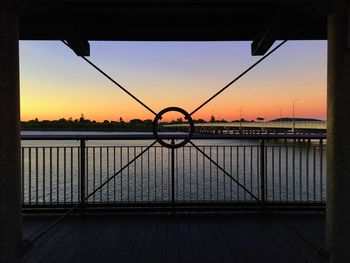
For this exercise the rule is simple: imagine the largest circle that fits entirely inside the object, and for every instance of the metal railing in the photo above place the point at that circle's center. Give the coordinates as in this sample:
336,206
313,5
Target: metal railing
291,173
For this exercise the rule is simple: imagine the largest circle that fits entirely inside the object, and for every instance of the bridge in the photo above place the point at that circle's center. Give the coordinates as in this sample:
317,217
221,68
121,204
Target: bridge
255,127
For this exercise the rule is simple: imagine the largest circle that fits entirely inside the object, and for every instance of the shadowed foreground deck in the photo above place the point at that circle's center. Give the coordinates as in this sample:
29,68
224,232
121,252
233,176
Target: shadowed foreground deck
181,238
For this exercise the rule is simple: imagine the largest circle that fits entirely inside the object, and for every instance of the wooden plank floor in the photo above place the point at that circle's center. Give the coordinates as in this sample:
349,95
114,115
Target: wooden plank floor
180,238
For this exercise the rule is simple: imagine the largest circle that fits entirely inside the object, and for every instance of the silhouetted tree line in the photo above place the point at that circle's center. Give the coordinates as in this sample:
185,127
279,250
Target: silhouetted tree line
85,124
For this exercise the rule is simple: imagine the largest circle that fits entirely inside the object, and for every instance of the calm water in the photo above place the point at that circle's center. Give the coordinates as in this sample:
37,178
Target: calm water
51,169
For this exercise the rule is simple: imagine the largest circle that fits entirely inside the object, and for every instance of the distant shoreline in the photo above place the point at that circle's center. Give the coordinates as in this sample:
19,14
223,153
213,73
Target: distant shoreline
84,125
95,129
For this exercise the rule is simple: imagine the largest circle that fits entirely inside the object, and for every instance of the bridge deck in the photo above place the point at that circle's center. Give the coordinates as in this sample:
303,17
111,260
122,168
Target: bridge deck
182,238
310,125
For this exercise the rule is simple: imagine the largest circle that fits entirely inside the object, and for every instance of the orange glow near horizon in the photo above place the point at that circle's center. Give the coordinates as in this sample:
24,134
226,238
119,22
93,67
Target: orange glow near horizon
56,84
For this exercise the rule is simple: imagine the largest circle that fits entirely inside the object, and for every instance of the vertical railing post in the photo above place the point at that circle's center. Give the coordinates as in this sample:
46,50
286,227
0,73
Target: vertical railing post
82,170
262,171
173,176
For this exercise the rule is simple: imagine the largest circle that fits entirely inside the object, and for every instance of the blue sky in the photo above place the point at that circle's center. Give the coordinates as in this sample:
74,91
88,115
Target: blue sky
56,83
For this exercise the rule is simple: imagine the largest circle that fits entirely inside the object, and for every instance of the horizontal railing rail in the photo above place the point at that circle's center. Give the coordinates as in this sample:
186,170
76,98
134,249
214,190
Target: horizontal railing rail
277,172
165,135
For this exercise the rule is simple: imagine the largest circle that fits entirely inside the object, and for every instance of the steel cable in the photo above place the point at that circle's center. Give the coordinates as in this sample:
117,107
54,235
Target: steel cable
252,66
238,77
27,243
55,35
318,251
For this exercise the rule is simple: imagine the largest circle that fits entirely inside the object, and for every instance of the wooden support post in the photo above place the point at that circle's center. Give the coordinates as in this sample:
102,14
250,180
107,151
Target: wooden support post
338,136
10,165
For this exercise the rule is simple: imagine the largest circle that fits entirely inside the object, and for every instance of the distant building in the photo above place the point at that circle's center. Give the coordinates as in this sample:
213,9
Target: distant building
295,119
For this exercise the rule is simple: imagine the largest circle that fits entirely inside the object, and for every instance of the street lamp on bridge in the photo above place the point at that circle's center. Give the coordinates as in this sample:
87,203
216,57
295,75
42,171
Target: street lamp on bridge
240,117
280,109
296,99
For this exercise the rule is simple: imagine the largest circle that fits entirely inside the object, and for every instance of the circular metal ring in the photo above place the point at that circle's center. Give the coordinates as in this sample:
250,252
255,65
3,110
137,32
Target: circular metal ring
159,117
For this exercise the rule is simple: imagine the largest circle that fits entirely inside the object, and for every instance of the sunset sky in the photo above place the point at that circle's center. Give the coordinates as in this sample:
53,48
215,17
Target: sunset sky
55,83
